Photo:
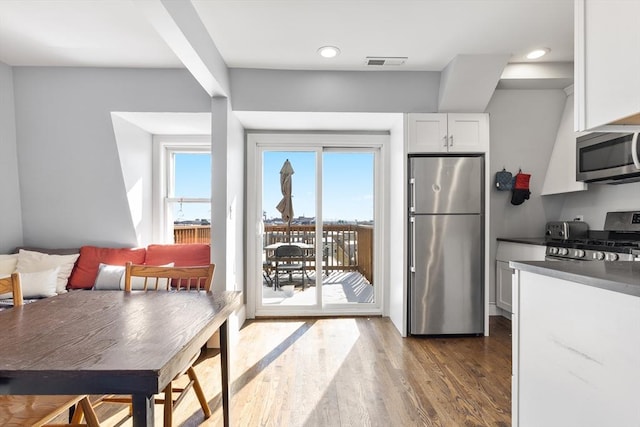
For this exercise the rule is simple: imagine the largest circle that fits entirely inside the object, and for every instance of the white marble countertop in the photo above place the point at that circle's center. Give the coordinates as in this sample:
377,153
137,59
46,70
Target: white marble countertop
617,276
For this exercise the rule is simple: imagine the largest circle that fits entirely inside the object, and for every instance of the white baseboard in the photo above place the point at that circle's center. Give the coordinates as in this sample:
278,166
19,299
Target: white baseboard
494,310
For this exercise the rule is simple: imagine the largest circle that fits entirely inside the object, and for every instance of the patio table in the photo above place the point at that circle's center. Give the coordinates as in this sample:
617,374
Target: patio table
110,342
270,250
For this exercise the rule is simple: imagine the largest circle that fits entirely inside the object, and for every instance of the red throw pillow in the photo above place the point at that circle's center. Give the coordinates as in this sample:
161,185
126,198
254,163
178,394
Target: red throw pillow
182,255
86,270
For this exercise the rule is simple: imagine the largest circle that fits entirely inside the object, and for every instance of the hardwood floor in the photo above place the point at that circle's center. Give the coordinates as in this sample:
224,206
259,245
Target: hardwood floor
356,372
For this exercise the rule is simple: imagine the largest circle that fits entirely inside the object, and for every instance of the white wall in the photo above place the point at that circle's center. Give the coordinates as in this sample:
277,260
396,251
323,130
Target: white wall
136,160
600,199
227,199
524,124
10,220
395,301
236,201
72,188
340,91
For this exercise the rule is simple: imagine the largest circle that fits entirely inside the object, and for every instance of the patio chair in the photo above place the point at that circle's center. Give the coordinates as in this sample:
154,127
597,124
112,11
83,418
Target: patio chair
40,410
289,258
267,266
162,278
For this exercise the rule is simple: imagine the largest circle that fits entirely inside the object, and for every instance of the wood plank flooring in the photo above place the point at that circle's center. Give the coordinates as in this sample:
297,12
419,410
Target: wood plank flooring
355,372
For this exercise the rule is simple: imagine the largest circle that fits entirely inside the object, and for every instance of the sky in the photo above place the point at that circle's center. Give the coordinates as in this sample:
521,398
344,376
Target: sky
192,179
347,184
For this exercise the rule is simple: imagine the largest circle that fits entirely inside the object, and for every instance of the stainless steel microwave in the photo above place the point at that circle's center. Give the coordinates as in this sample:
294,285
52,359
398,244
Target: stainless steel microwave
608,158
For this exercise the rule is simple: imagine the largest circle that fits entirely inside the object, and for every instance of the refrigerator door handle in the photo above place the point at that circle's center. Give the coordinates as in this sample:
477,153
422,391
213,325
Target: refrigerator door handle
412,202
412,233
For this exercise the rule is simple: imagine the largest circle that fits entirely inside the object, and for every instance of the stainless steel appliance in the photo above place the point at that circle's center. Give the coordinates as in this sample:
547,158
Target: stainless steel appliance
446,245
619,241
564,230
608,158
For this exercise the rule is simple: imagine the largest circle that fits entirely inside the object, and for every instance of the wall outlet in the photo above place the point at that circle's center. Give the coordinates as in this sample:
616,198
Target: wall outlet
579,218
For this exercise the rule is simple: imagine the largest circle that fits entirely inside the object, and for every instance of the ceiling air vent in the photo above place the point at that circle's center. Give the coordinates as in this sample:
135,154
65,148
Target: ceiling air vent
384,61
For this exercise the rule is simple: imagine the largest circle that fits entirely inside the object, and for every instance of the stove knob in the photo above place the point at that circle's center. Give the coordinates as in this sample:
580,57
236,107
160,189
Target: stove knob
553,251
579,253
612,257
598,255
563,251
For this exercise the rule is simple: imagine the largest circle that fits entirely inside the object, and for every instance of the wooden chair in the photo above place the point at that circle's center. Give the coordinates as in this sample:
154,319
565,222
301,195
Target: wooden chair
168,278
289,258
40,410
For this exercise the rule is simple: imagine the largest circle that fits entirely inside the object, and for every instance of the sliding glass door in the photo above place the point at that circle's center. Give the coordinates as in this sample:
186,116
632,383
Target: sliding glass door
317,211
289,218
347,226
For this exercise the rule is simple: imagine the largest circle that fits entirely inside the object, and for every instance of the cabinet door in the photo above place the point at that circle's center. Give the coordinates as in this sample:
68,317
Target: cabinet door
607,62
468,133
503,285
427,133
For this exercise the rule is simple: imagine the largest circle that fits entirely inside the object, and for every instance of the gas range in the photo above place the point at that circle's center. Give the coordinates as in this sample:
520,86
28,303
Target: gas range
594,250
619,241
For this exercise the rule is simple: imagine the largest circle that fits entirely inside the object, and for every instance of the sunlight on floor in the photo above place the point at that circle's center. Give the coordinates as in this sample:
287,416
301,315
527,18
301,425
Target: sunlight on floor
291,351
337,288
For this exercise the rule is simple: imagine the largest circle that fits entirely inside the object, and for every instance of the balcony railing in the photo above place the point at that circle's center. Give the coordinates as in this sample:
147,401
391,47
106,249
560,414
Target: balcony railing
344,246
192,233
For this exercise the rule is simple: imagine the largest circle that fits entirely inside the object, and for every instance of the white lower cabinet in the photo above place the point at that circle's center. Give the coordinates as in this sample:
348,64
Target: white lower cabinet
576,354
510,251
504,276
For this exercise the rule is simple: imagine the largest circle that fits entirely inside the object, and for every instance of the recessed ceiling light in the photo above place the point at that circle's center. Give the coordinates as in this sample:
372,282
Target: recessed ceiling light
538,53
329,51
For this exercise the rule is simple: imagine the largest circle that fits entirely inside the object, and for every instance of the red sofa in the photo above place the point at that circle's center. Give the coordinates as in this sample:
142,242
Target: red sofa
85,270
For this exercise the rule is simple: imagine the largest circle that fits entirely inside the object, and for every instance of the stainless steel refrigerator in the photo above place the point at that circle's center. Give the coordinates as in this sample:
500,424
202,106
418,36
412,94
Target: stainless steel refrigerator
446,245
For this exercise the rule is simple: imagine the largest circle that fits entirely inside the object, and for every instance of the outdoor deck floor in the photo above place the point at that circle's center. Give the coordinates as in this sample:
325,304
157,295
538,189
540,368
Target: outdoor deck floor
340,287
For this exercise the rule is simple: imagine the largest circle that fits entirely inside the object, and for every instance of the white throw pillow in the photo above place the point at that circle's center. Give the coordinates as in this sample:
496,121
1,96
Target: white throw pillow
40,284
31,262
111,277
8,264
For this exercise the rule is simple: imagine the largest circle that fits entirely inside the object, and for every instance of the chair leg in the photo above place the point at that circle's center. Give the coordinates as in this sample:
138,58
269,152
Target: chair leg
76,417
168,405
89,413
199,393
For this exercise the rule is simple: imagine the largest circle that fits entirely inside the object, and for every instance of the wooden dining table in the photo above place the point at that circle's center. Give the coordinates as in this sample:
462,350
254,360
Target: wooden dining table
111,342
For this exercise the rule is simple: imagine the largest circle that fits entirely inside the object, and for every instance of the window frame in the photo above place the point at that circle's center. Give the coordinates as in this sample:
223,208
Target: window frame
164,146
259,141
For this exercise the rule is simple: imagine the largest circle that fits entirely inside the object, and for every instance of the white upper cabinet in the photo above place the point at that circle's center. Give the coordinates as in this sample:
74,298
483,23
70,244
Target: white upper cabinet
561,172
607,64
453,133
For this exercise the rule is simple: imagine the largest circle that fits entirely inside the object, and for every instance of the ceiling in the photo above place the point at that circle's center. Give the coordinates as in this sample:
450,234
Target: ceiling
285,34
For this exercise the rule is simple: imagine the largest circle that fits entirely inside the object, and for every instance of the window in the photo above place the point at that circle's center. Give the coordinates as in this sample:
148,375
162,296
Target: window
185,192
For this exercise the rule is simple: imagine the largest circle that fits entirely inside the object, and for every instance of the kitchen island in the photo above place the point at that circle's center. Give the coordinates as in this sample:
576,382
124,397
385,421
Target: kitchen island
576,343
